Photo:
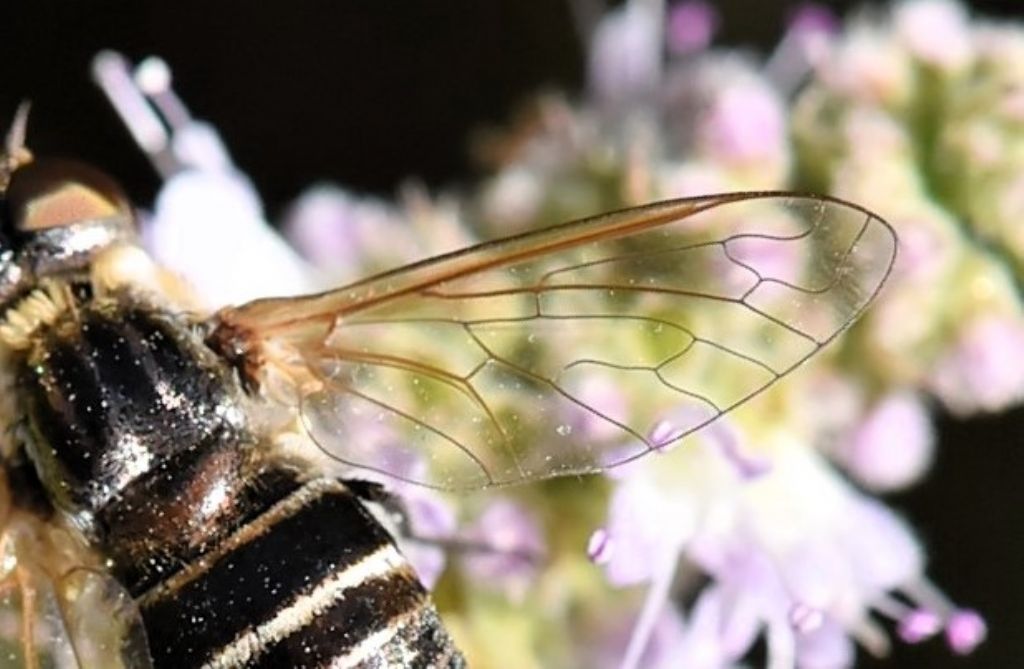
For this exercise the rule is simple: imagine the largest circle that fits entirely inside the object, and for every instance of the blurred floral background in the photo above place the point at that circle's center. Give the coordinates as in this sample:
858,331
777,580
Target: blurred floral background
880,525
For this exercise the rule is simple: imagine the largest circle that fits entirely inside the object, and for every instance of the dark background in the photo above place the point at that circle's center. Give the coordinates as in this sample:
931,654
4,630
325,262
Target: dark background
368,93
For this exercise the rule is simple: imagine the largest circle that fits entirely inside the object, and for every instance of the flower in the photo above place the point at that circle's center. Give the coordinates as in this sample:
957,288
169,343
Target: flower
344,234
348,237
893,445
691,25
797,555
221,207
745,123
433,524
984,370
506,548
936,32
625,62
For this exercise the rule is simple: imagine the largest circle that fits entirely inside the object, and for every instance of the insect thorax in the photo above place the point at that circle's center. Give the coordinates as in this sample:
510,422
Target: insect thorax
133,425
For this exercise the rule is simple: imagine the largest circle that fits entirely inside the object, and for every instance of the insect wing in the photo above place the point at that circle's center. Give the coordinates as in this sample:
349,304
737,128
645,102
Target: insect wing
32,630
115,638
575,348
79,620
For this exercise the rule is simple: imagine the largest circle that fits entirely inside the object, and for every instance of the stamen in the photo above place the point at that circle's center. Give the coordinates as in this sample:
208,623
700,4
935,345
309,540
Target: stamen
153,78
919,625
153,75
111,73
930,597
195,144
158,120
891,607
805,619
930,614
965,630
600,547
872,637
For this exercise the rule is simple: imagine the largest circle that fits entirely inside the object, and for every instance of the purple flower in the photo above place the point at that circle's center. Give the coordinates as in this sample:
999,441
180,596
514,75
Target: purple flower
894,444
349,237
715,634
936,31
504,548
795,554
325,226
827,646
984,371
626,54
744,123
432,520
221,207
691,26
641,537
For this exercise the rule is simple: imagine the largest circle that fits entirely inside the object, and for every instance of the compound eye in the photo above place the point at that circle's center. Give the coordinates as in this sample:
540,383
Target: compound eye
47,194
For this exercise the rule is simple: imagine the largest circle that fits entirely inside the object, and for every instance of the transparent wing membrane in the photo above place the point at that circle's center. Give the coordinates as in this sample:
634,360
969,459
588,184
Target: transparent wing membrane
580,347
56,617
32,631
116,638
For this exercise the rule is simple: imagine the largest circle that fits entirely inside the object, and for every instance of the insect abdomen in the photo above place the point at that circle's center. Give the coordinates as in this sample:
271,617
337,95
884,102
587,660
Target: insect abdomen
236,559
347,598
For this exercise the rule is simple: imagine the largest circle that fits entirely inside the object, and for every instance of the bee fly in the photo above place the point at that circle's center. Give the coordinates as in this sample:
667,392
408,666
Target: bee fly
139,433
153,516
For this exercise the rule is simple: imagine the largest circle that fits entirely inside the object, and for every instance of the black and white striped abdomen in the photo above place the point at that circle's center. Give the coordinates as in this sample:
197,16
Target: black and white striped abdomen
313,581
